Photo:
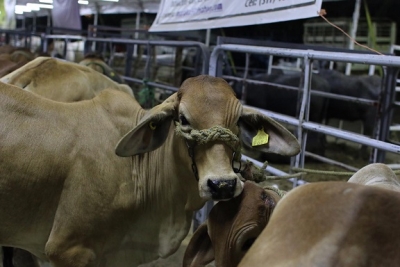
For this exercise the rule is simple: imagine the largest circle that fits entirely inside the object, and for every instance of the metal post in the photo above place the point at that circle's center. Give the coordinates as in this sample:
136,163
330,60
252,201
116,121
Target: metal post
137,27
208,36
385,111
95,23
48,18
353,33
128,62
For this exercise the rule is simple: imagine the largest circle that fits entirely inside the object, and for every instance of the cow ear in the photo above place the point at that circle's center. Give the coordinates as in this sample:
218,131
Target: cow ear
151,131
199,251
271,136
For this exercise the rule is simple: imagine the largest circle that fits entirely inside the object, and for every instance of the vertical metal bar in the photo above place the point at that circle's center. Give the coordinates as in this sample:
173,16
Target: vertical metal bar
137,26
43,42
244,85
128,62
66,41
178,66
303,114
208,36
353,33
270,62
385,111
219,61
148,60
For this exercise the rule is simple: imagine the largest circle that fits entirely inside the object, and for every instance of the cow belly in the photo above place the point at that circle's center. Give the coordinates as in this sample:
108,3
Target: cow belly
26,212
149,238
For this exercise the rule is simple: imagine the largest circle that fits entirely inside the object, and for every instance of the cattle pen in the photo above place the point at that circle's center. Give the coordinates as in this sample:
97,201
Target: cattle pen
385,104
106,43
142,68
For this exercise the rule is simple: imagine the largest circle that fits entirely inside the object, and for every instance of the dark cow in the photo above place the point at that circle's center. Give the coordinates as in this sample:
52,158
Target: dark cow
285,101
360,86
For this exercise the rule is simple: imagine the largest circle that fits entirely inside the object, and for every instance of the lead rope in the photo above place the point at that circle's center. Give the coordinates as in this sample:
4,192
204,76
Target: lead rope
279,192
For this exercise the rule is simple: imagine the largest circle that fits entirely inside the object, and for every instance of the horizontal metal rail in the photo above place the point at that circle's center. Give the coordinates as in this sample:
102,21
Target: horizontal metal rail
313,92
152,84
203,48
273,170
332,131
382,60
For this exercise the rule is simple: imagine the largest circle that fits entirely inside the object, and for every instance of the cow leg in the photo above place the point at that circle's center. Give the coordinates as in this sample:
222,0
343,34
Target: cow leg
76,256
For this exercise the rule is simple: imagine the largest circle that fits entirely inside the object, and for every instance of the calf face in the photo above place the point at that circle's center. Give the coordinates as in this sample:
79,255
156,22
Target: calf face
209,120
231,228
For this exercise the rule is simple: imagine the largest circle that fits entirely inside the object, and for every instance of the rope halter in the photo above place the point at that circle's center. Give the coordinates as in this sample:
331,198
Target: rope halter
279,192
215,133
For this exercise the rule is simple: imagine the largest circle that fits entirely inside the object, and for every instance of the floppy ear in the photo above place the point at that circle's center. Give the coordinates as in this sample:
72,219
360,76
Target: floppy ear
151,131
199,251
280,140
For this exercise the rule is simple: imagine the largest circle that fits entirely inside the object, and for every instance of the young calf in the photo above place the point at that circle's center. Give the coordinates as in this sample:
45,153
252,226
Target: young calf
232,227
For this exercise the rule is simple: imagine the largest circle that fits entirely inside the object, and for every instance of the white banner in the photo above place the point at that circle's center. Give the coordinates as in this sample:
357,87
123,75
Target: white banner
65,14
178,15
9,6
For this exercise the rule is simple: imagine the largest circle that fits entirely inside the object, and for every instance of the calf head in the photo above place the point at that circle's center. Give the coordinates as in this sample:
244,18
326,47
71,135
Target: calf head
209,122
231,228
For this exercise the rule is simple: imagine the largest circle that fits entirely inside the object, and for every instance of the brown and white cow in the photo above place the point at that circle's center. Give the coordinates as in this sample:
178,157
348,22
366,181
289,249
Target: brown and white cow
232,227
334,224
61,80
70,195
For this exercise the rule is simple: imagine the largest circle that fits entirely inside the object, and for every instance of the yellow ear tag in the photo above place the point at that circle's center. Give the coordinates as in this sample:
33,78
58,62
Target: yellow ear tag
261,138
152,126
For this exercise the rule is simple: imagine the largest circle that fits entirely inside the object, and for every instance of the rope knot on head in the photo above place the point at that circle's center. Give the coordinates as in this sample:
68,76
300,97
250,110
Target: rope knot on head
215,133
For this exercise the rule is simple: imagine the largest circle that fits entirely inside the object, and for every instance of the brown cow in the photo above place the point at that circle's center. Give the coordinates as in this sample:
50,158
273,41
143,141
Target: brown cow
61,80
12,58
97,63
74,83
232,227
333,224
66,196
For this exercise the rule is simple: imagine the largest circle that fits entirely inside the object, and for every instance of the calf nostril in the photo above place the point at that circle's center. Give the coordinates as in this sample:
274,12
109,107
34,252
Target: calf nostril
222,189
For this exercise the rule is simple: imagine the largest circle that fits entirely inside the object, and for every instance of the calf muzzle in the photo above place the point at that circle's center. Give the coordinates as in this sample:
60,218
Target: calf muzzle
222,189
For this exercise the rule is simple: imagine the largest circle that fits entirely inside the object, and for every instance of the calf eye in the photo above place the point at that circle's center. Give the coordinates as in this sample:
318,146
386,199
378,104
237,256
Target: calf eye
249,242
183,120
